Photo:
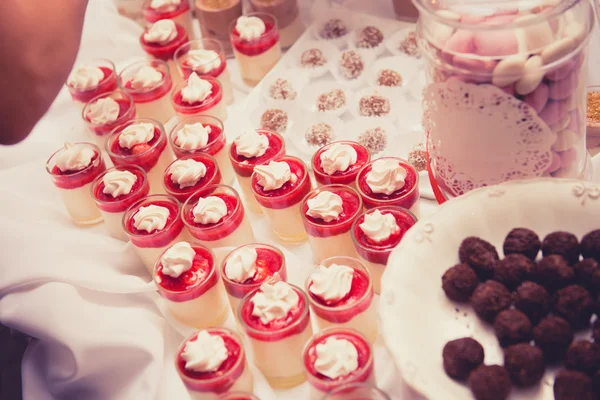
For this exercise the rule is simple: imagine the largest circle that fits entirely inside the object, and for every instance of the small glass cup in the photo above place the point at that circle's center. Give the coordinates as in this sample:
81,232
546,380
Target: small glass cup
213,105
166,51
215,19
347,177
106,85
212,177
288,18
356,391
180,14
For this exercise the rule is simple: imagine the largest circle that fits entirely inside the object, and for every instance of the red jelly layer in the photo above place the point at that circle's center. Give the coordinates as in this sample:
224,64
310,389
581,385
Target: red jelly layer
216,141
144,155
126,114
244,166
346,177
405,197
156,238
187,69
106,85
212,177
257,46
165,51
183,107
351,206
148,95
77,179
292,192
220,230
111,204
151,15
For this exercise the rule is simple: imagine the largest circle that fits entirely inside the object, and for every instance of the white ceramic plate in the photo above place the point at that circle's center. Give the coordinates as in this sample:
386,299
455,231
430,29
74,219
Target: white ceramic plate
416,316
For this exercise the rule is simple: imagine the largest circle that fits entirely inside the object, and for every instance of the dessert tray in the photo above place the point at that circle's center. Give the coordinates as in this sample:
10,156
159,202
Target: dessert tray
413,313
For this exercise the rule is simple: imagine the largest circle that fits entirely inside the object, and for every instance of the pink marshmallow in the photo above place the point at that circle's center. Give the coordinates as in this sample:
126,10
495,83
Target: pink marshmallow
460,42
553,112
480,70
554,163
560,90
496,43
538,98
567,157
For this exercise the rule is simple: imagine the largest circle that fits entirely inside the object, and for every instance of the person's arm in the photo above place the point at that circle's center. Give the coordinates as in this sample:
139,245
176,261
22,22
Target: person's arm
38,45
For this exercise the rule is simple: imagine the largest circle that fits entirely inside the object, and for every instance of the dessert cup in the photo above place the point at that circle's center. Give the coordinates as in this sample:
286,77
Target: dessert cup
205,57
329,232
156,229
114,191
345,177
85,81
187,137
229,230
231,376
361,391
277,344
181,179
320,383
287,14
269,262
243,166
212,105
352,308
194,296
73,168
256,57
178,11
149,91
237,396
165,50
215,17
375,243
153,155
282,206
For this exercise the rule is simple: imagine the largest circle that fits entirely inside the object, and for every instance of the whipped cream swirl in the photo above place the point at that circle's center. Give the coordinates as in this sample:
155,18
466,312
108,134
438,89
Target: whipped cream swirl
74,157
118,183
164,4
206,353
203,60
241,264
85,77
197,89
103,111
336,358
209,210
326,205
274,175
135,134
151,218
177,259
192,136
274,301
386,176
161,32
379,227
251,144
338,157
250,28
146,77
331,283
186,173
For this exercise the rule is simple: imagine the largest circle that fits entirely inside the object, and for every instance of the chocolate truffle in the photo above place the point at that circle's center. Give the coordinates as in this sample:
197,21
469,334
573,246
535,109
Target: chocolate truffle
274,119
584,272
596,330
583,356
512,270
409,45
595,283
553,335
459,282
389,77
332,100
351,64
553,272
575,304
572,385
461,356
522,241
312,58
282,89
369,37
563,243
418,157
524,363
489,299
374,106
374,139
590,245
490,382
319,134
512,327
533,300
333,29
479,254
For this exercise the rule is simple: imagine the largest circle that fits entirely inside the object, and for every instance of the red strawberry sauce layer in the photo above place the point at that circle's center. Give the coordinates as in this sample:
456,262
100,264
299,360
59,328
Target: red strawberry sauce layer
187,68
340,177
244,166
404,197
351,207
268,262
212,177
194,282
108,203
292,192
165,51
224,377
126,113
144,155
357,300
151,15
216,141
77,179
219,230
156,238
214,98
379,252
257,46
106,85
150,94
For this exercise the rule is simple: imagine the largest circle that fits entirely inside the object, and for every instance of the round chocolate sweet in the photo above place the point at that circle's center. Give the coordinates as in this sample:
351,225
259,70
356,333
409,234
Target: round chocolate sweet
319,134
461,356
590,245
573,385
333,29
489,299
553,272
562,243
479,254
490,382
369,37
583,356
512,327
553,335
575,304
524,363
522,241
389,77
312,58
459,282
374,106
596,330
533,300
274,119
282,89
351,64
374,139
513,269
584,272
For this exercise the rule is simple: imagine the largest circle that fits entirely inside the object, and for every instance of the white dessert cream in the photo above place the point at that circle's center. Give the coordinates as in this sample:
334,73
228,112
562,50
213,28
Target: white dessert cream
250,144
197,89
331,283
164,4
202,60
241,264
250,28
338,158
209,210
187,173
274,175
146,79
386,176
177,259
103,111
134,134
85,77
117,183
192,136
336,358
326,206
161,32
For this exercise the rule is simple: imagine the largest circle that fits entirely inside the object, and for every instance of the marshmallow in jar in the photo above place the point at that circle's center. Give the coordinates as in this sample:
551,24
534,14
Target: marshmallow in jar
505,97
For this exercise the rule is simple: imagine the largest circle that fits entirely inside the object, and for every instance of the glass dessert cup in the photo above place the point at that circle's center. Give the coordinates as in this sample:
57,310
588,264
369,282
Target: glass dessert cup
106,85
197,297
212,177
244,166
166,51
215,17
282,206
277,346
347,177
256,57
74,186
356,391
288,18
216,68
151,245
231,230
153,157
113,208
216,145
356,310
321,384
180,14
213,105
238,396
374,255
328,239
406,197
154,101
270,261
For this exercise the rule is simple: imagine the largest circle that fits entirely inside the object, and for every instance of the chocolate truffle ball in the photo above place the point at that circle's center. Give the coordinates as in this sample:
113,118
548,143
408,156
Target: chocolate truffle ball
274,119
374,106
479,254
533,300
575,304
562,243
590,245
584,272
461,356
553,272
490,382
351,64
374,139
312,58
596,330
524,363
553,335
522,241
511,327
489,299
572,385
369,37
459,282
333,29
583,356
319,134
513,269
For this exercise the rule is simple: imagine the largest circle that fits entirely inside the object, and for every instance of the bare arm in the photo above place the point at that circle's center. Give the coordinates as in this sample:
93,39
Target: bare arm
40,40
